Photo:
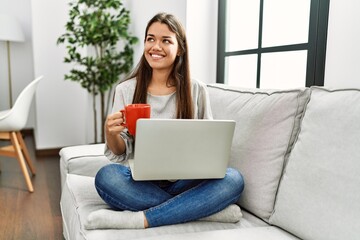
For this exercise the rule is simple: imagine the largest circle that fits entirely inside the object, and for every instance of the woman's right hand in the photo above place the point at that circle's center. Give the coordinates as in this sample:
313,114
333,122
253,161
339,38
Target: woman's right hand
113,128
113,124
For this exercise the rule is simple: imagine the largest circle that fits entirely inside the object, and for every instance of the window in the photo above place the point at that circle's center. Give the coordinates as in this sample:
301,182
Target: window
272,43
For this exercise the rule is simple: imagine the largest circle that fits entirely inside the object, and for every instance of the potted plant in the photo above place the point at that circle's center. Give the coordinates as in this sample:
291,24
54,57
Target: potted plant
95,32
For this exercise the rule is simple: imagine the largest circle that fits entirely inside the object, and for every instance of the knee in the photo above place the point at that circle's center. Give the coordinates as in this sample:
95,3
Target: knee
111,175
235,180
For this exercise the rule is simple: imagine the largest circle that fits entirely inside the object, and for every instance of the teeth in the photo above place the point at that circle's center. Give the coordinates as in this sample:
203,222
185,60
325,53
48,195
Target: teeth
156,56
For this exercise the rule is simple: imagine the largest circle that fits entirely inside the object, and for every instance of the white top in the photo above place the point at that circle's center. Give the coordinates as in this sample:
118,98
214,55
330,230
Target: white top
161,107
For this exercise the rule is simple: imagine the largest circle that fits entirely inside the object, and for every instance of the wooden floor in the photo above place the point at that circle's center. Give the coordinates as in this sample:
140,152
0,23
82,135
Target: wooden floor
25,215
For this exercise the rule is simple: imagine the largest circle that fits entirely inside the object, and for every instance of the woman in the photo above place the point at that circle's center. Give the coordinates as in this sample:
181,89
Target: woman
161,79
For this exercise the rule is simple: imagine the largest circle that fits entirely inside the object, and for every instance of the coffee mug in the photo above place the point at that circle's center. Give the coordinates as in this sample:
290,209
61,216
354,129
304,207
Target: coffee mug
132,112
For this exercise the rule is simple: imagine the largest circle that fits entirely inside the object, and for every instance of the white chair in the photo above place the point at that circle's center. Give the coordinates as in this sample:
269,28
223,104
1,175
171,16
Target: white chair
12,121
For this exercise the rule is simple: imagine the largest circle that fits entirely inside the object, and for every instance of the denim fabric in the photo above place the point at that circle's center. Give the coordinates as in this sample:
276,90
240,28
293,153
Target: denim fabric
165,202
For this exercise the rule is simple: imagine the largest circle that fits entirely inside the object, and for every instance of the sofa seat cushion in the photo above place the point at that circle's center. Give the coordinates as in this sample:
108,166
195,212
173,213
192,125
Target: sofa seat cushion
319,194
82,160
79,198
267,122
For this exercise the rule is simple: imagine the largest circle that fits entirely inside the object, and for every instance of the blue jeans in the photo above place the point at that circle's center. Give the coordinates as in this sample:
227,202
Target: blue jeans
165,202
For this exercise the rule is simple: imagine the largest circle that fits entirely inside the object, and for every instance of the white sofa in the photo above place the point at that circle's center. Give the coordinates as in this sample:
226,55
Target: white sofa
298,150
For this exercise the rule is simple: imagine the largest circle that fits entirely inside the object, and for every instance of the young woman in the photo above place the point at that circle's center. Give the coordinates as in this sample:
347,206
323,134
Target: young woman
161,79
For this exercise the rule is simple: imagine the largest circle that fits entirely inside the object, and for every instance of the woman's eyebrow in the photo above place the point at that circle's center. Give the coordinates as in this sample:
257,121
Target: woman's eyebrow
153,35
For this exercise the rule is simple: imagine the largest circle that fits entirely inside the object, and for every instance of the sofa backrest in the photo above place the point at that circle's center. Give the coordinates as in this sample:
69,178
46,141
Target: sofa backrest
319,194
267,122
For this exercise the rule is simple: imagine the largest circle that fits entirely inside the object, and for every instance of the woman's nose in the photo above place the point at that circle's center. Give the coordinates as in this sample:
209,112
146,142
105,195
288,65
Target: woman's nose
157,46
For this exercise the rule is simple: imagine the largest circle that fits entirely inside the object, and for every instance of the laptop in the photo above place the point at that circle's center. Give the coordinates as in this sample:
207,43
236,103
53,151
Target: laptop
172,149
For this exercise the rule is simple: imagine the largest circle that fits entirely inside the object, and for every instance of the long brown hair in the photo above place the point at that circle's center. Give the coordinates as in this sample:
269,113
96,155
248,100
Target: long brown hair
179,76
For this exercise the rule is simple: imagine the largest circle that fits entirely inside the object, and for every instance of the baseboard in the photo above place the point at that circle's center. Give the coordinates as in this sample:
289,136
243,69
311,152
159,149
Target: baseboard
29,132
49,152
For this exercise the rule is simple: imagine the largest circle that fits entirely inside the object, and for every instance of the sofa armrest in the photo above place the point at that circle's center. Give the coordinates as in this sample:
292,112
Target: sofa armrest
85,160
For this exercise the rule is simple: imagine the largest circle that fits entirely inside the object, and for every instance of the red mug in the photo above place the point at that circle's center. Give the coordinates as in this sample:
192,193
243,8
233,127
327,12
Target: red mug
132,112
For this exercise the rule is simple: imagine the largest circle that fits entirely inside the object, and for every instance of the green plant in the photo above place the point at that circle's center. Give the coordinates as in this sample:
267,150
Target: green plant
94,33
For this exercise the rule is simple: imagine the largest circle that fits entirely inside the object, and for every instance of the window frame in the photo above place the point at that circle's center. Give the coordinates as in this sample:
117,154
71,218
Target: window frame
316,45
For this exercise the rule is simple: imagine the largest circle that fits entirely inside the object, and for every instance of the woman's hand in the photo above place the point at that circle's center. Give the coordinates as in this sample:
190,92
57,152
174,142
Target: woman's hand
113,124
113,128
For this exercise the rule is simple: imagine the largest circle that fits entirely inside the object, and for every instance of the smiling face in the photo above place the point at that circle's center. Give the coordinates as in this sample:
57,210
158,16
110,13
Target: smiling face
161,47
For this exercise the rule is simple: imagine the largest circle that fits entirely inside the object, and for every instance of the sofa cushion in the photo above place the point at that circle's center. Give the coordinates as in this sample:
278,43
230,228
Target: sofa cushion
319,193
82,160
79,198
267,122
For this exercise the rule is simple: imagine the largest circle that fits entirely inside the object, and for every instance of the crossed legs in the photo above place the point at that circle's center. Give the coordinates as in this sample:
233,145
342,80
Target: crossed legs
164,203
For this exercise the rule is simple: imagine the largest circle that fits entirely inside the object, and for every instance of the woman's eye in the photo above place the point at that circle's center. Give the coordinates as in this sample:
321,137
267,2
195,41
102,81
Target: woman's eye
166,41
150,39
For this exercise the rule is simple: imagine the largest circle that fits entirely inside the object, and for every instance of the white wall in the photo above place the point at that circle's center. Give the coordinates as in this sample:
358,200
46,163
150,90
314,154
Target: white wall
343,48
201,27
22,66
63,108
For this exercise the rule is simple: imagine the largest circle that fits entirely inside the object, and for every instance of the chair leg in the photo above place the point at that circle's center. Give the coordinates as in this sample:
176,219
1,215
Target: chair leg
26,153
21,160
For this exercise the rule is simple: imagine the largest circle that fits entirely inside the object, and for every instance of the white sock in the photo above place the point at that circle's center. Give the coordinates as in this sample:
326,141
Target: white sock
106,218
230,214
